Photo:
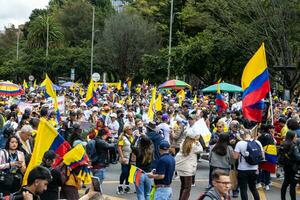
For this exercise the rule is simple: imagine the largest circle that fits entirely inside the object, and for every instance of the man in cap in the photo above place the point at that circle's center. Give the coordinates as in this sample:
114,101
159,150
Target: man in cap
56,182
164,128
163,173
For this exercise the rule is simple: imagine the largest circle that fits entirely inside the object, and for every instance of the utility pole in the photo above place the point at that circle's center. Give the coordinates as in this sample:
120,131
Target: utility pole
18,39
92,45
47,37
170,39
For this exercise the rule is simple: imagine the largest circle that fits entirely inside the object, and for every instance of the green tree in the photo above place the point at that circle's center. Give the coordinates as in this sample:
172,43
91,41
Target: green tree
37,36
126,38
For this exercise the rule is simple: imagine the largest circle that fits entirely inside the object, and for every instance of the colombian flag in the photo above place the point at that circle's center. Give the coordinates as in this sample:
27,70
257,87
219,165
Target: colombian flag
90,98
255,83
271,158
151,107
134,175
221,105
50,92
47,138
77,157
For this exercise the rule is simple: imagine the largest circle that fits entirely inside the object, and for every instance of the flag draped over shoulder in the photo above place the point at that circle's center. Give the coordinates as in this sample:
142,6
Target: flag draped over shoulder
150,113
90,98
47,138
134,175
50,92
255,83
77,157
221,105
271,158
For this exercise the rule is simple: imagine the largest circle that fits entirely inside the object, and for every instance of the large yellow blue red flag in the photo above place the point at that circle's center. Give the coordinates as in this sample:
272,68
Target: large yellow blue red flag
90,98
50,92
47,138
256,85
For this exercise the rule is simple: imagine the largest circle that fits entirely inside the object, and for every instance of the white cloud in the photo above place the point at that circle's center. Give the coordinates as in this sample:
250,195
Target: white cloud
18,11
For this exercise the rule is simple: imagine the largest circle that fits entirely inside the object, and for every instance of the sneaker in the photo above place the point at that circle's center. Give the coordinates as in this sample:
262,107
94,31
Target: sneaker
127,189
267,187
194,185
258,185
120,190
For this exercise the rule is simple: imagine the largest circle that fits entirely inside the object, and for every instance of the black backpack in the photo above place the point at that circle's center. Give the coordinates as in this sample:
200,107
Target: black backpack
255,154
284,157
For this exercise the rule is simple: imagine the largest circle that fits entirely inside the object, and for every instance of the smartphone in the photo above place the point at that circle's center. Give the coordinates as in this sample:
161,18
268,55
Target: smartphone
96,184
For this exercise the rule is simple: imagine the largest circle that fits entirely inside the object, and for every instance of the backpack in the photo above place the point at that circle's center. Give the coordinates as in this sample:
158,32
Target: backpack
255,154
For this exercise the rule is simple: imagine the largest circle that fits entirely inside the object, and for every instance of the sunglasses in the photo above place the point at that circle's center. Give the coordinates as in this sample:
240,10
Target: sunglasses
224,183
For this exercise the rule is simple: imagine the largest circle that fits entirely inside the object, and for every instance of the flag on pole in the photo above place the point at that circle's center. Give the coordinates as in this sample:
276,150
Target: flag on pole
150,113
181,97
50,92
195,99
158,102
34,84
256,85
221,105
47,138
25,84
90,98
135,175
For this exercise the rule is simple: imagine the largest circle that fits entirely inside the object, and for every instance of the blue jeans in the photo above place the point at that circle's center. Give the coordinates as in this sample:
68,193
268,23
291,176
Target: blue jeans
163,193
144,189
99,173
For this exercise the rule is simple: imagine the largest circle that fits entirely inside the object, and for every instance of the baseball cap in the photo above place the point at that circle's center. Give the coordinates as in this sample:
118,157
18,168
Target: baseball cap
164,145
165,116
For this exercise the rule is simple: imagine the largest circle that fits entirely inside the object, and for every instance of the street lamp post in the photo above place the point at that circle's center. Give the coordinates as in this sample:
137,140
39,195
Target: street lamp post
92,45
170,40
47,37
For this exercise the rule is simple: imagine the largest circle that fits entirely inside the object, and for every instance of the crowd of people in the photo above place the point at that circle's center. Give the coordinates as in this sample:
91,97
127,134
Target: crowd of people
117,129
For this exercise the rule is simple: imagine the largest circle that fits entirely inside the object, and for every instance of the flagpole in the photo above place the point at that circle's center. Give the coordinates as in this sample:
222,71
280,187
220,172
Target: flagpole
271,107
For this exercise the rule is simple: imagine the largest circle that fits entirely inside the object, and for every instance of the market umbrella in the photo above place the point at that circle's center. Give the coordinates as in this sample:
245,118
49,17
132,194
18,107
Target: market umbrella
67,84
174,84
10,89
225,87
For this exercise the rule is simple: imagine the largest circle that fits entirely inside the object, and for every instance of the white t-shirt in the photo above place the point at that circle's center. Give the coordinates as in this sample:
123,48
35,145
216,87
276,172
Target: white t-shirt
241,147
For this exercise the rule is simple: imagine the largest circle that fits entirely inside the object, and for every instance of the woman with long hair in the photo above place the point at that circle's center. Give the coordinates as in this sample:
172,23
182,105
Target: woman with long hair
221,156
144,157
186,162
124,149
291,150
12,162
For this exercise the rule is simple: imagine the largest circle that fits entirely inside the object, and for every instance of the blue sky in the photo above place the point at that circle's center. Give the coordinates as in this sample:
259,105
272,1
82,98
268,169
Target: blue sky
18,11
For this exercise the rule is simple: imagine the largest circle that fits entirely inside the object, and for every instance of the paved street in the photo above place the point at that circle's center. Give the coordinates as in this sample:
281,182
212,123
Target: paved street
112,175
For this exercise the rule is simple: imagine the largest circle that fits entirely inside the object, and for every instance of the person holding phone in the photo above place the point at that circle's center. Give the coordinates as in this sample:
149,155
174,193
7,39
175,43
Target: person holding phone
12,163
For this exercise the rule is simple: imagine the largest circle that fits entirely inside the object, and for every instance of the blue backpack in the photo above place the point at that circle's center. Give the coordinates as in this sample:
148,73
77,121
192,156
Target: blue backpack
255,155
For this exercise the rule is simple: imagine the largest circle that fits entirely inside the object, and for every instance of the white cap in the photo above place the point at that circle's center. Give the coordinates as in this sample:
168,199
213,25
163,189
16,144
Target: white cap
113,115
95,108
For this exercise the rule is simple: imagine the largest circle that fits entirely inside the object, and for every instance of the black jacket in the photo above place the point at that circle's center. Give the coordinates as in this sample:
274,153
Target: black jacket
98,152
